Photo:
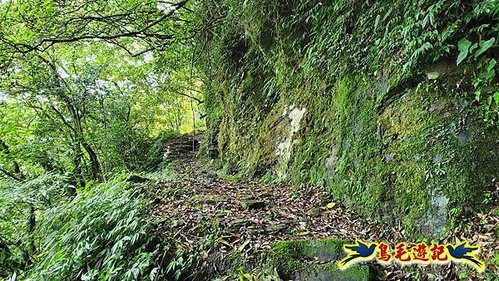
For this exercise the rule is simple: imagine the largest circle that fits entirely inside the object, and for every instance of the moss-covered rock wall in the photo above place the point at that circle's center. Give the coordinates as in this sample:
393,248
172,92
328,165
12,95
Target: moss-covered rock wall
391,105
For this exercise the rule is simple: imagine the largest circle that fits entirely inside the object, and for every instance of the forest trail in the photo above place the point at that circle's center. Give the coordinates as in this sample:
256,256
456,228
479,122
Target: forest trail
249,216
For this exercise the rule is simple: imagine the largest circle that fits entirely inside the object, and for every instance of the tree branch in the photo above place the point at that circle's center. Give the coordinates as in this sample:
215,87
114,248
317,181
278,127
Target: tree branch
9,174
143,32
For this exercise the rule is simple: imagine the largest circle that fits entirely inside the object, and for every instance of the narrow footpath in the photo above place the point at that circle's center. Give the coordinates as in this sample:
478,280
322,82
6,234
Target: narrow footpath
201,208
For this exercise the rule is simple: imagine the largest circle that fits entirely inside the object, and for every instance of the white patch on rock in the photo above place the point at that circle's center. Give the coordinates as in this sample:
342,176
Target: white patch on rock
296,115
284,148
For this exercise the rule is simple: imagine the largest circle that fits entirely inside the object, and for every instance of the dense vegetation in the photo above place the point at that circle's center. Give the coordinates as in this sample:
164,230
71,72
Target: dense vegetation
89,90
391,106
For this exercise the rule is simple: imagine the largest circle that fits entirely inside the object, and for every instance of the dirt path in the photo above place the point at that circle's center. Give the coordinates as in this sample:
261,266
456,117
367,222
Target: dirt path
249,217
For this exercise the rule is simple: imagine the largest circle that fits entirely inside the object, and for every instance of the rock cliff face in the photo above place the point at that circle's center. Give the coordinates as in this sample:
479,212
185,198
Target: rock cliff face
363,99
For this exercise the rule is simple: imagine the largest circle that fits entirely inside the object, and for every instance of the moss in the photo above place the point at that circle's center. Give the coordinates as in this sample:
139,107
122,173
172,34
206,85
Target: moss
385,140
495,260
329,249
390,163
290,260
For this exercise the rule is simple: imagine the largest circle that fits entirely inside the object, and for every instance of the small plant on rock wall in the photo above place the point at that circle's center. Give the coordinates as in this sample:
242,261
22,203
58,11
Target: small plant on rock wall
484,79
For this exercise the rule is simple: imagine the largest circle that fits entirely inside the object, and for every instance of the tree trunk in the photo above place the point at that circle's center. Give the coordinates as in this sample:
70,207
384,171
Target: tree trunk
78,169
31,229
96,169
5,148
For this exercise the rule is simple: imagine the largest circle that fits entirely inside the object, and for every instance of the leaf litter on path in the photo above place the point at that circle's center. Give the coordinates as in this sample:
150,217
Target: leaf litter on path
249,216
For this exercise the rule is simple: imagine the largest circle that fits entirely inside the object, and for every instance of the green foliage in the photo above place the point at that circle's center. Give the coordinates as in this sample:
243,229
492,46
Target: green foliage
90,98
88,109
89,90
484,83
179,263
20,205
99,234
154,155
383,94
162,174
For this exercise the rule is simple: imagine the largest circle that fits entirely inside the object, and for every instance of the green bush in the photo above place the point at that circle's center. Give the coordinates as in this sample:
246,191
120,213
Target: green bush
20,202
154,155
98,235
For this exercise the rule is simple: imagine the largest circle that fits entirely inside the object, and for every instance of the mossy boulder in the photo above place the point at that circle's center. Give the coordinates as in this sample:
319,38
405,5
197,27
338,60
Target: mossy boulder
313,260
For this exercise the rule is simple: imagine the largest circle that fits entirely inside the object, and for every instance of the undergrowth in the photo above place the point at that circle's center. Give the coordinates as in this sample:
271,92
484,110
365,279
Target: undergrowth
103,232
98,235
